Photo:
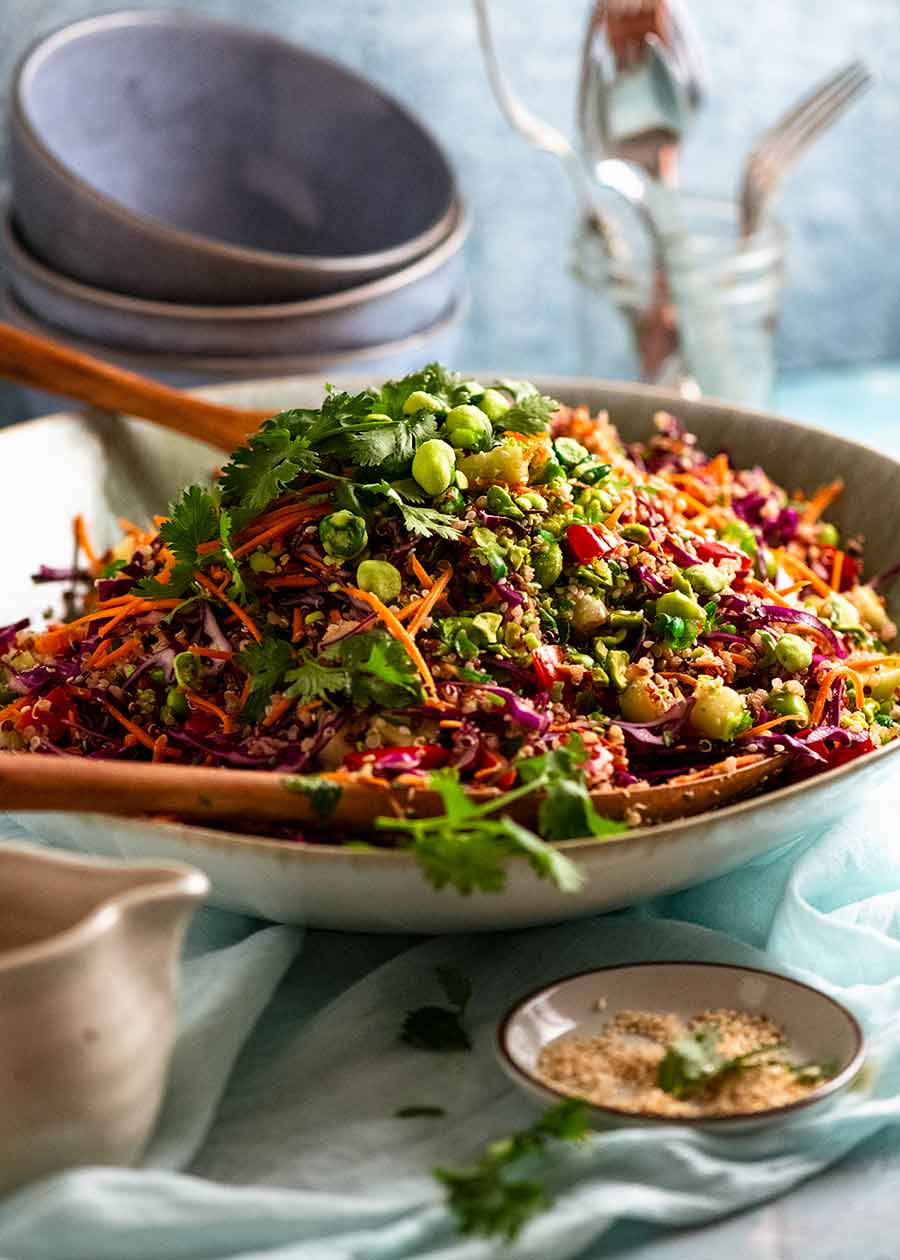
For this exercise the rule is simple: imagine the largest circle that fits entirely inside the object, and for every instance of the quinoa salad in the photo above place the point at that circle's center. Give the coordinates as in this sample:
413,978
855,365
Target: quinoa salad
462,584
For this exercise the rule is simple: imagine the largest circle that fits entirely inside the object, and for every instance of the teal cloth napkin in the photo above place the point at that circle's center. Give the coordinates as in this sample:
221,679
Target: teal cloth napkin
300,1154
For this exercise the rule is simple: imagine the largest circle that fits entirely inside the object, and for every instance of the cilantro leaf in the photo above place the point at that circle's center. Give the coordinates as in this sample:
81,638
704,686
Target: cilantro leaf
193,520
322,794
436,1027
315,681
485,1200
532,414
266,465
266,664
428,521
466,848
391,446
566,811
418,1109
379,670
694,1062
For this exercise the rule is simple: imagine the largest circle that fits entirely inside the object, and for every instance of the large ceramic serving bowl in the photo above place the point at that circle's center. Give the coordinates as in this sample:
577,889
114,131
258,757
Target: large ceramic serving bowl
106,467
170,156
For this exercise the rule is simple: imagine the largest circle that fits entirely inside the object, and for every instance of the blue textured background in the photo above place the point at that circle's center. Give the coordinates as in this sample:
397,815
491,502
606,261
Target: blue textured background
841,208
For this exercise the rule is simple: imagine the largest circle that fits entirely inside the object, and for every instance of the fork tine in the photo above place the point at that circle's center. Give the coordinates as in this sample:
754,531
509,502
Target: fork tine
792,139
834,83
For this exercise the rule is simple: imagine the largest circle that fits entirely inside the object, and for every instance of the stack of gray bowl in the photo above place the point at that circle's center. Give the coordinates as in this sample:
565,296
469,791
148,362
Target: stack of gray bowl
199,201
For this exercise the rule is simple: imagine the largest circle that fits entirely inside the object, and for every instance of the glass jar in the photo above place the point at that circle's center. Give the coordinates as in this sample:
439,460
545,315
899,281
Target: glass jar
701,305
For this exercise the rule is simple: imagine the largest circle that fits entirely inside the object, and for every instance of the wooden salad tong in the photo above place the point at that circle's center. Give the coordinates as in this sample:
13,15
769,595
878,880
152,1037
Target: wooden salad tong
40,362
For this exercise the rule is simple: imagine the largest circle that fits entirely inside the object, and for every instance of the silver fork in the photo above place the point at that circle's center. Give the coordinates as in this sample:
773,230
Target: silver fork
781,145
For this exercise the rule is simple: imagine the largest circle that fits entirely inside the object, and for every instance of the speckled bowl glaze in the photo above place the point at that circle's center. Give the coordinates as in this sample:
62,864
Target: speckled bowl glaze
170,156
88,968
106,468
817,1029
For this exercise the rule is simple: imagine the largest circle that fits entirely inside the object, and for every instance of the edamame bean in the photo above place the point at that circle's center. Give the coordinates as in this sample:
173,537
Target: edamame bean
494,404
706,579
468,428
433,466
718,711
786,703
793,653
420,401
380,578
547,563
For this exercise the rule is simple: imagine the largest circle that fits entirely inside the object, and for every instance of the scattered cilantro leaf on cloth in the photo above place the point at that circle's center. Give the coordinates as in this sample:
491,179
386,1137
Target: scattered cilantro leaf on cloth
266,664
485,1200
418,1109
440,1028
322,794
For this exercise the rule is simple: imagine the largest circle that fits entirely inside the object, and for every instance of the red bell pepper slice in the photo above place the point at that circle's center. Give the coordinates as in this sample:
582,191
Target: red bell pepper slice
403,758
548,662
586,543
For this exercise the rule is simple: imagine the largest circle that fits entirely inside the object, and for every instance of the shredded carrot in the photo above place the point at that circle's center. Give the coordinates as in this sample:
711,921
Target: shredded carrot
200,702
820,501
293,580
863,662
812,632
420,573
409,609
105,658
673,673
12,710
245,693
280,526
767,726
612,520
83,542
130,610
141,736
214,654
450,724
204,549
794,587
718,468
129,527
277,710
429,601
400,633
740,659
840,671
708,772
296,624
766,591
837,566
799,569
309,707
159,747
243,617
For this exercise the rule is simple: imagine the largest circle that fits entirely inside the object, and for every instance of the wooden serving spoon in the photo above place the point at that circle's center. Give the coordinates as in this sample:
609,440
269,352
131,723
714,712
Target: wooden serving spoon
42,363
30,781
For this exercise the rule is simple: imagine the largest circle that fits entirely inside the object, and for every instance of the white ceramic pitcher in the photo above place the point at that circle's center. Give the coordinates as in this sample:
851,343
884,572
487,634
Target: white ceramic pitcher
88,971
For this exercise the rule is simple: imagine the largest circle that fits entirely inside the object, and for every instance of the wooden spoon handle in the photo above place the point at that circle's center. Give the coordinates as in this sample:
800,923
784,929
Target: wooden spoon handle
34,782
40,362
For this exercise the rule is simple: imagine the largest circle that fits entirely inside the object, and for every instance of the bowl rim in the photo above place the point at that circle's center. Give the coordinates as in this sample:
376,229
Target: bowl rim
819,1093
375,261
287,366
458,229
652,834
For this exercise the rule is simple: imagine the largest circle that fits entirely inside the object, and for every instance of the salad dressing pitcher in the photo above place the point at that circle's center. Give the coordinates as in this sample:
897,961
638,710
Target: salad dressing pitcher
88,969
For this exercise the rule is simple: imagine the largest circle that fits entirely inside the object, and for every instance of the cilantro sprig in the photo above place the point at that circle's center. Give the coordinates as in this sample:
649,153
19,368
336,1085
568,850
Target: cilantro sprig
695,1062
466,846
195,519
369,668
485,1200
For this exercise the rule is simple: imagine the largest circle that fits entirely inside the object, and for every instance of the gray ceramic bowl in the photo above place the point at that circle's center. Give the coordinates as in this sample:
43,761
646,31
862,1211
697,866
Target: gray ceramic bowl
170,156
391,308
381,359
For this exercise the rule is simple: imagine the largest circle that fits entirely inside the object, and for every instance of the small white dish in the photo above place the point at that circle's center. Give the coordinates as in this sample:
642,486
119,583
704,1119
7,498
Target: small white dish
817,1029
